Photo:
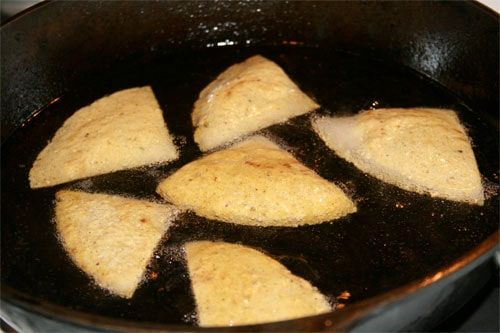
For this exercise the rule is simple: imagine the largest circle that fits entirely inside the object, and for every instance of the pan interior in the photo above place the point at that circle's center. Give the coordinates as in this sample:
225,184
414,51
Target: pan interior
396,237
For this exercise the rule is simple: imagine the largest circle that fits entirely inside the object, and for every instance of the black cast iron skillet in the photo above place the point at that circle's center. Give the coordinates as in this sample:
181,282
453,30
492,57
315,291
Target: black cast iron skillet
400,254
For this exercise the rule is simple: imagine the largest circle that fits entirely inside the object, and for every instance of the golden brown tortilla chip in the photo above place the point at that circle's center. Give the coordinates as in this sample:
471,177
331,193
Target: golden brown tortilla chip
255,182
120,131
237,285
111,238
418,149
246,97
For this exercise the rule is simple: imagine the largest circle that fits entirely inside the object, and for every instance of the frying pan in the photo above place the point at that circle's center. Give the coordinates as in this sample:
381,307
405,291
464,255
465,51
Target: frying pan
405,268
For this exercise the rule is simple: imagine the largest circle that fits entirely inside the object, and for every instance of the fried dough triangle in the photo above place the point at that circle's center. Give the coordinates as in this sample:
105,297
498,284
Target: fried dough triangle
246,97
255,182
111,238
237,285
418,149
120,131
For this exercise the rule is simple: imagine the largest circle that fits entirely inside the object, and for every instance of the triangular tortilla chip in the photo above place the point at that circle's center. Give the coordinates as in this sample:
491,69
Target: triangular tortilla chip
255,183
237,285
418,149
246,97
120,131
111,238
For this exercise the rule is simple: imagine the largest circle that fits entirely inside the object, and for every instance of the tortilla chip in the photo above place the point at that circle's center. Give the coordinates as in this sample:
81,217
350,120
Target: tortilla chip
418,149
111,238
246,97
117,132
255,183
237,285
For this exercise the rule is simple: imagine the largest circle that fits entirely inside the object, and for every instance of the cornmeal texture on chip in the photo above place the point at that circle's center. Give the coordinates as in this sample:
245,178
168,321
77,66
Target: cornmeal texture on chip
111,238
237,285
418,149
120,131
246,97
255,182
